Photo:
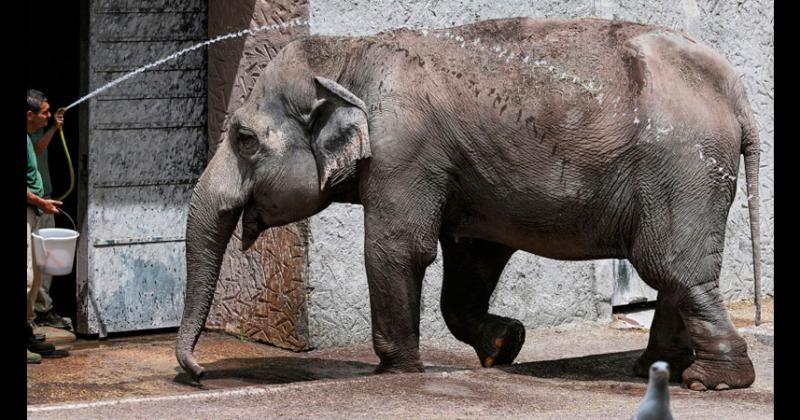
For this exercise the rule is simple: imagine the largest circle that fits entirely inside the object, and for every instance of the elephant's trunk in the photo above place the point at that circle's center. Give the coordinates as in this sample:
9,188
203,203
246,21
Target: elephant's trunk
214,210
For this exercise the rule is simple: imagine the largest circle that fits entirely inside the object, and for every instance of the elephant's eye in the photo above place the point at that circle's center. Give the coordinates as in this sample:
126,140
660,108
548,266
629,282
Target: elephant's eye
247,142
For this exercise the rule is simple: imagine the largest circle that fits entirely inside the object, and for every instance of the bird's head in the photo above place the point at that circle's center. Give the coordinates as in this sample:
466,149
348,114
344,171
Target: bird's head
660,371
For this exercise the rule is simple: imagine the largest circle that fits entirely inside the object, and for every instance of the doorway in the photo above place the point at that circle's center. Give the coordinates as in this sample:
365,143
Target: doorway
53,66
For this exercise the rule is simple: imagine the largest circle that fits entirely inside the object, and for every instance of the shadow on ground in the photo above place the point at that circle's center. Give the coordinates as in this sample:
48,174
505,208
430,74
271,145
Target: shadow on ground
236,372
597,367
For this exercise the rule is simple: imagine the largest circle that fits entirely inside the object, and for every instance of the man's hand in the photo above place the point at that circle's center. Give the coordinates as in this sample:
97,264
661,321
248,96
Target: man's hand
49,206
58,118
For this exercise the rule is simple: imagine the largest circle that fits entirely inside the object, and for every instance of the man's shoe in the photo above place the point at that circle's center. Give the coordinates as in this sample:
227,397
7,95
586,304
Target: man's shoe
32,336
41,348
52,319
34,358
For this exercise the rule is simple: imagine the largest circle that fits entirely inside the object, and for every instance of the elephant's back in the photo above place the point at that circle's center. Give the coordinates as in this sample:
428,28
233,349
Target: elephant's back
559,39
587,48
544,88
564,84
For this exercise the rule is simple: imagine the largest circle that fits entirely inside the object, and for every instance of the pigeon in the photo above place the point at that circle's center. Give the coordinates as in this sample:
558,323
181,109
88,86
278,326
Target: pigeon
655,405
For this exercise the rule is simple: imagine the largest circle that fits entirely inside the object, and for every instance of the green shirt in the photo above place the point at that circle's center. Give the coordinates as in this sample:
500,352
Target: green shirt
34,177
42,164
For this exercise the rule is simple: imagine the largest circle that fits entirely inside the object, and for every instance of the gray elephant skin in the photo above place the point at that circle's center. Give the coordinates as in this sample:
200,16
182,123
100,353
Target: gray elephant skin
570,139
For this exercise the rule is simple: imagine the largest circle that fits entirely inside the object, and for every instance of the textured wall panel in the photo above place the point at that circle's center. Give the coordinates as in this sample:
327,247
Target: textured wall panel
186,6
140,213
135,27
150,113
261,293
177,155
113,57
139,285
156,83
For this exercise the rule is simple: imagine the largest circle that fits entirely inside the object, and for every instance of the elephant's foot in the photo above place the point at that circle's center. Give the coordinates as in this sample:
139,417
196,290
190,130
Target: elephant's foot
500,342
398,355
190,365
400,367
719,375
678,362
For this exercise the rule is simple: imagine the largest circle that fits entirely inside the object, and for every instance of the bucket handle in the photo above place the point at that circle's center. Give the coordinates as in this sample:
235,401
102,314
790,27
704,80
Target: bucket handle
61,211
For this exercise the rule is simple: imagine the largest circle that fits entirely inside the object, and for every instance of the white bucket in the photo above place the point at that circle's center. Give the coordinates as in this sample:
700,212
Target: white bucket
54,250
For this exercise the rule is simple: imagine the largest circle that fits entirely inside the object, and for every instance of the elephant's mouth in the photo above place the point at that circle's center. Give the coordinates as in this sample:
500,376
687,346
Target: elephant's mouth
252,226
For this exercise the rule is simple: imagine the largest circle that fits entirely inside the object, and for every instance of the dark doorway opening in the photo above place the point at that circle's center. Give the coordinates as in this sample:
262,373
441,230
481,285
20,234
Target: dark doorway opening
53,65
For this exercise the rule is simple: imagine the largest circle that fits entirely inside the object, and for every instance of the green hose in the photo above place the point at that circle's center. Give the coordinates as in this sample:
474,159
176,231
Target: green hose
69,162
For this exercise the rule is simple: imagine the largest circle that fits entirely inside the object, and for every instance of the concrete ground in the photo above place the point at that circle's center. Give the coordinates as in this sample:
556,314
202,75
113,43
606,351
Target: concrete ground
567,372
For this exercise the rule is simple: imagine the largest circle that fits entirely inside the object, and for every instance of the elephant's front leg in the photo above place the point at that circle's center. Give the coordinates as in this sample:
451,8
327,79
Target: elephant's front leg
399,246
472,268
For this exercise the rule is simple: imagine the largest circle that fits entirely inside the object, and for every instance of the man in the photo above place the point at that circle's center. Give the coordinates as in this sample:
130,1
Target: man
45,316
37,116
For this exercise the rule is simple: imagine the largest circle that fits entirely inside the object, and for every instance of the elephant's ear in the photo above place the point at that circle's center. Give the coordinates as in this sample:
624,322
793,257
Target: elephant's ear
340,136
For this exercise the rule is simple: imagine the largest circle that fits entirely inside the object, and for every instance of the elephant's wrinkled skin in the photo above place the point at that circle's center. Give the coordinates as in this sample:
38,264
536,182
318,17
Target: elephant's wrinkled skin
573,140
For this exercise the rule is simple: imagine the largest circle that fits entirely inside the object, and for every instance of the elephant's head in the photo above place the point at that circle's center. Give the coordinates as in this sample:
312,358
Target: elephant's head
290,159
296,139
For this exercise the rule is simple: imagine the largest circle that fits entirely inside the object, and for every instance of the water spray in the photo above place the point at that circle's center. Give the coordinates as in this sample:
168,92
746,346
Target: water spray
252,31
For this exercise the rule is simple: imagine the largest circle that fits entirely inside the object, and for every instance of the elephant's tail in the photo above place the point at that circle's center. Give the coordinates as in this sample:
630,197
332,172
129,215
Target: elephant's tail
751,151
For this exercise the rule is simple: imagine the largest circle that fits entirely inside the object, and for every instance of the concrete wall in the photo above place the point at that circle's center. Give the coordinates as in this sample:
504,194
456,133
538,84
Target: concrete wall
538,291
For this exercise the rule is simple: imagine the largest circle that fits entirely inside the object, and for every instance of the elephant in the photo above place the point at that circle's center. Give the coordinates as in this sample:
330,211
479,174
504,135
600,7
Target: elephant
570,139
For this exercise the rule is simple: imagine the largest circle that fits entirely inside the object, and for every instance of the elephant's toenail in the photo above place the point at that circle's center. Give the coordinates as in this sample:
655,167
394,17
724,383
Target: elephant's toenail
697,386
723,386
498,342
489,361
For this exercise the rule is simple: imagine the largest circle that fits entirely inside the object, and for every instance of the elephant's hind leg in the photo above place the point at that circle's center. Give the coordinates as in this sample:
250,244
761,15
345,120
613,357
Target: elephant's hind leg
669,341
721,359
681,257
471,270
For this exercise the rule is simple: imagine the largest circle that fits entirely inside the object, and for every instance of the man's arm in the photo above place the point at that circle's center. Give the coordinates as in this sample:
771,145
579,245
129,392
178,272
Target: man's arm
47,205
41,145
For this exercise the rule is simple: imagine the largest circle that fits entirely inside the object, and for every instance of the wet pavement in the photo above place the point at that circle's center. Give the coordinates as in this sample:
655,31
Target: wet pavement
577,371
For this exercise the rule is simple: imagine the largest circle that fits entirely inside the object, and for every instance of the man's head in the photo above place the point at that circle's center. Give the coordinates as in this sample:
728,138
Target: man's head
38,110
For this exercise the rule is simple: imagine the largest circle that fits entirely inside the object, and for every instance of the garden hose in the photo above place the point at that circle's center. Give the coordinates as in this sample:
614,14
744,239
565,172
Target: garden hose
69,161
